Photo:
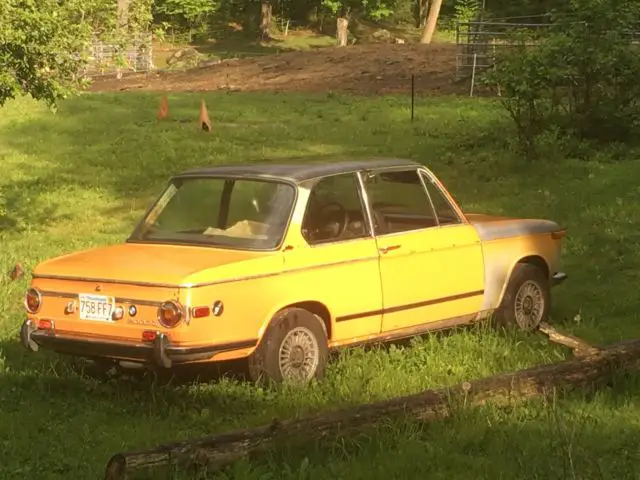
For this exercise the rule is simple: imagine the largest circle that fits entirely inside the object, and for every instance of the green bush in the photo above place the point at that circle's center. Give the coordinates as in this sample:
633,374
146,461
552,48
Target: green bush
581,77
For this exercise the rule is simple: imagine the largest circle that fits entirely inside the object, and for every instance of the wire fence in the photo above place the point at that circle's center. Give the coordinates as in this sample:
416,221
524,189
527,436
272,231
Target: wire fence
478,42
133,54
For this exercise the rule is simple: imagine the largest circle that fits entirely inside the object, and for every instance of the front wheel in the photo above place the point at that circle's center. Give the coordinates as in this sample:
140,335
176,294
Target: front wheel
294,349
527,299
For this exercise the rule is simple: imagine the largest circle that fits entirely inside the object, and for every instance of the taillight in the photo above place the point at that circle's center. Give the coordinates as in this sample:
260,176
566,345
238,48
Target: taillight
45,325
32,300
149,335
170,314
200,312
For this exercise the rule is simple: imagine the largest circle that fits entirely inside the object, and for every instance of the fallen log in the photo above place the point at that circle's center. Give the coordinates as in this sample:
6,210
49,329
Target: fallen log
578,346
220,450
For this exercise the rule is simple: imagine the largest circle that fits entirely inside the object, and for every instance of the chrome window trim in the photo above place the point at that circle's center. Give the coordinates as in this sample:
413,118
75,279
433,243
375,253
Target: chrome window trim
445,194
407,168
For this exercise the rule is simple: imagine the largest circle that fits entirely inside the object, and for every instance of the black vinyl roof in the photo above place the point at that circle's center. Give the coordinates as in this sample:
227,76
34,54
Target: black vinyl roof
297,172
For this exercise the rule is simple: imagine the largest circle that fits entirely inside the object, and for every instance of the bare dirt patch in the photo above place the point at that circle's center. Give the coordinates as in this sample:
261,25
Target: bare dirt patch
364,69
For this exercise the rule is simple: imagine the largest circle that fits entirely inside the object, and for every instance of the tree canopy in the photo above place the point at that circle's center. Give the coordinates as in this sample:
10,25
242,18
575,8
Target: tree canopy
40,42
43,43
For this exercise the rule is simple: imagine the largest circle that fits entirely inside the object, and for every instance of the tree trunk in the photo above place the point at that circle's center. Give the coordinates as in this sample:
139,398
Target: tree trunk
220,450
123,13
266,17
432,20
423,8
342,32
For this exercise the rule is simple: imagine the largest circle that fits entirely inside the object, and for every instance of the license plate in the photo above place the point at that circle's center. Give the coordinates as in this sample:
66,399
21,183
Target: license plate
96,307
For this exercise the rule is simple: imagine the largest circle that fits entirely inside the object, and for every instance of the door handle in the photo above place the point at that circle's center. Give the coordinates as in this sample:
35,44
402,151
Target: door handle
389,248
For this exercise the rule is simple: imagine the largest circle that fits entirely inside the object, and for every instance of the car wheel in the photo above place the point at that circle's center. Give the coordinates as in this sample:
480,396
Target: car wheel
293,349
527,299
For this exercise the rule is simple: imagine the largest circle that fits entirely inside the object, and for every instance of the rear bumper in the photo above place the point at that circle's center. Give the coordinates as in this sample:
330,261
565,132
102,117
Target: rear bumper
159,351
558,278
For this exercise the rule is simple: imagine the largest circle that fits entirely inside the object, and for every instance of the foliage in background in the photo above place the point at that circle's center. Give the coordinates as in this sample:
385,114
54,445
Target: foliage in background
140,15
204,16
190,14
580,80
467,10
41,46
374,9
43,43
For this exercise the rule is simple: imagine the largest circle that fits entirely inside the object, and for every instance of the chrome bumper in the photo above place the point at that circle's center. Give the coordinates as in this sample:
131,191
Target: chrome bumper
159,351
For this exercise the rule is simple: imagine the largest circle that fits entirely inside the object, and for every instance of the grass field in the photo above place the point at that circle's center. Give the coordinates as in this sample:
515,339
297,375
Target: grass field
82,177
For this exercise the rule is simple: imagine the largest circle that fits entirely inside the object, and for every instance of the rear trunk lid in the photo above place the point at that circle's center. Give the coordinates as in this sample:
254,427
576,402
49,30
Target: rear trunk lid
80,290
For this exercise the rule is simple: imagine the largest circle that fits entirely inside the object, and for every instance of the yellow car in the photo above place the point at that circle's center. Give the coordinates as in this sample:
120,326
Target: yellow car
279,264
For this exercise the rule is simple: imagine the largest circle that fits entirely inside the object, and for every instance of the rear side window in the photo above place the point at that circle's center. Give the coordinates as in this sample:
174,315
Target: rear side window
398,201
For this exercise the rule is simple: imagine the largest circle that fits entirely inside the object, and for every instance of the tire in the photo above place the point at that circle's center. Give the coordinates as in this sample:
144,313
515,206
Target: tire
527,299
291,333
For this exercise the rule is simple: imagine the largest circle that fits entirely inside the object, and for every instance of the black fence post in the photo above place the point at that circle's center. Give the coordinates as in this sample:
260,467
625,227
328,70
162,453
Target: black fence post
413,93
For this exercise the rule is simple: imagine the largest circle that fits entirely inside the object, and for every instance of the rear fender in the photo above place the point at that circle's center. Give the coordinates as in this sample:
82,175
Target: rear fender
319,309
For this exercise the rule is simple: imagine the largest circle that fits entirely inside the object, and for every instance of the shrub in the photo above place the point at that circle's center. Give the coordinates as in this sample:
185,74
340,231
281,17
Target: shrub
580,78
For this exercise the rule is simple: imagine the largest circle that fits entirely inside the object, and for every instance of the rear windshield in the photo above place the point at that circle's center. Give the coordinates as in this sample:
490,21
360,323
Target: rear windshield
223,212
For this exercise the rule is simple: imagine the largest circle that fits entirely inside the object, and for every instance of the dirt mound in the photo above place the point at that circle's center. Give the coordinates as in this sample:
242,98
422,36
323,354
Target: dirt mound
365,69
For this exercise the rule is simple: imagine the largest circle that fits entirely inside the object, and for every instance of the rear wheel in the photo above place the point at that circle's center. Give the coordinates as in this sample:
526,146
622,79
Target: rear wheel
527,299
294,349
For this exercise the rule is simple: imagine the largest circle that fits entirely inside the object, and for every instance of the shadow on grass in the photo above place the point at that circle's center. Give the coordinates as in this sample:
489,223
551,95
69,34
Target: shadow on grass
94,418
83,422
18,210
227,43
239,47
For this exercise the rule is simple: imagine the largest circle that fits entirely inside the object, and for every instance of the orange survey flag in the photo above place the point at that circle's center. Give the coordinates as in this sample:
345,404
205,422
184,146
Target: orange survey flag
163,112
205,122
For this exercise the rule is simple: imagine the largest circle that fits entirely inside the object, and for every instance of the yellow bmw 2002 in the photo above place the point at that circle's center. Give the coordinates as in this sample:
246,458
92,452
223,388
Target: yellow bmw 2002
279,264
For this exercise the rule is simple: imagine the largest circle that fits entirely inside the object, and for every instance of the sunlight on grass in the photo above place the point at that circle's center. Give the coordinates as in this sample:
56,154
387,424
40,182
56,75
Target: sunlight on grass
82,177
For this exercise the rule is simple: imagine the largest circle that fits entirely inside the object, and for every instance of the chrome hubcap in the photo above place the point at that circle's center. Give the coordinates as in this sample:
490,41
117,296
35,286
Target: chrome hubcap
299,355
529,305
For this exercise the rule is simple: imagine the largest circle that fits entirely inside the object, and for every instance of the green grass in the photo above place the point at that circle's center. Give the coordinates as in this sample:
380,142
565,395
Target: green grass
82,177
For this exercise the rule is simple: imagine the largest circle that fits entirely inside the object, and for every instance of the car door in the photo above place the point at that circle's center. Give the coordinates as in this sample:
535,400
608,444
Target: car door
463,248
339,263
430,271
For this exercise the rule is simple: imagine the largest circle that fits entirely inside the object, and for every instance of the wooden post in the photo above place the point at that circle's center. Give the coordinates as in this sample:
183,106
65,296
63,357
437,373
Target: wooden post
219,450
473,74
342,32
